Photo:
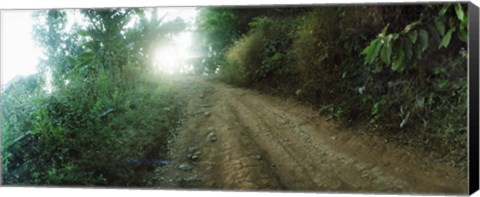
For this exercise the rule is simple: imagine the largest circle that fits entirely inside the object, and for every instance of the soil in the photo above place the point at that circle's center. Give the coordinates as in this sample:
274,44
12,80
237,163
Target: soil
268,143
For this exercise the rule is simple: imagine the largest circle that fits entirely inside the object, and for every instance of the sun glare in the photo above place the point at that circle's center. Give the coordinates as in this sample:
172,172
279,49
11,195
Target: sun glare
173,58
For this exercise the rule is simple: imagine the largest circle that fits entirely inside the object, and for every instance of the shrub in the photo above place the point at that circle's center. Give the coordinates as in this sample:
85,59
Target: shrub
242,59
262,53
86,134
316,53
397,69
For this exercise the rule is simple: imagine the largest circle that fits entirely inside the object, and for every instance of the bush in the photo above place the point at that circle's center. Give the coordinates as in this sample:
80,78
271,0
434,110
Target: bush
261,55
242,59
316,49
85,134
397,69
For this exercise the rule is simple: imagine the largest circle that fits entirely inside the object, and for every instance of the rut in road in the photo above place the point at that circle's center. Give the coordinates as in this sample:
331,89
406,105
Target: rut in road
268,143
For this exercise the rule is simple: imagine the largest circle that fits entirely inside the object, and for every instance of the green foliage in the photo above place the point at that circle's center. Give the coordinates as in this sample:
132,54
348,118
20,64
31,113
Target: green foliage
221,27
399,69
103,108
245,53
415,39
419,89
259,55
315,51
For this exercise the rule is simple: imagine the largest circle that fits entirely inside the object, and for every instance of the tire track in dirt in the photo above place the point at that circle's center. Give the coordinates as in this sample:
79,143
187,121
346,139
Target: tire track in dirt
313,169
233,159
268,143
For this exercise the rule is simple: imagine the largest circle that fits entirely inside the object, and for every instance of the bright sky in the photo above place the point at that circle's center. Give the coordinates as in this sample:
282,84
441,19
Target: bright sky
19,56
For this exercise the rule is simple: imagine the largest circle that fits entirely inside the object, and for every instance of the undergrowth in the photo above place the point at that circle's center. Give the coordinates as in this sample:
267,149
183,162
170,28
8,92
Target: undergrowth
401,70
102,111
93,134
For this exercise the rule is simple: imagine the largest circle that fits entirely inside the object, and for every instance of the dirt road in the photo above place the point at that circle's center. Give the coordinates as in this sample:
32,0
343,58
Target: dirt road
240,139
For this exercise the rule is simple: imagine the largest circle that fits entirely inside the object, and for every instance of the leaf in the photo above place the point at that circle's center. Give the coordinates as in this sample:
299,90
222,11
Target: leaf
410,26
407,49
376,49
446,39
413,36
462,35
384,30
385,53
423,40
444,10
459,11
464,23
371,51
398,64
440,26
368,50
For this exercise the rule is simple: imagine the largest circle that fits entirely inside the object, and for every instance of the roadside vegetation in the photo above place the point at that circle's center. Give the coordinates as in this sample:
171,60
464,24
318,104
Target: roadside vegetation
95,111
400,70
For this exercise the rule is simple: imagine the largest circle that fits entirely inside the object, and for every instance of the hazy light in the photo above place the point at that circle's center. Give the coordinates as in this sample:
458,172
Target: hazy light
173,58
19,55
48,82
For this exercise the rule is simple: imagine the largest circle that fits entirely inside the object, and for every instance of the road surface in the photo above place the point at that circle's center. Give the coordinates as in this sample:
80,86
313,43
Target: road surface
246,140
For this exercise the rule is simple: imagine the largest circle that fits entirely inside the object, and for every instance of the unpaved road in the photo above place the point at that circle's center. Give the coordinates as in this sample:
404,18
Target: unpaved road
268,143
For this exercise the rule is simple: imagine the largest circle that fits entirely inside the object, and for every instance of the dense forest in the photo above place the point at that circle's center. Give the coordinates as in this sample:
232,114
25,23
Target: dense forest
96,105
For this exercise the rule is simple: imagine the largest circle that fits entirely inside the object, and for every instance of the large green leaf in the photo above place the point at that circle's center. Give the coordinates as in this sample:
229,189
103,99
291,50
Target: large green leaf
376,49
444,9
407,49
386,53
446,39
462,35
459,11
398,63
372,50
423,40
464,23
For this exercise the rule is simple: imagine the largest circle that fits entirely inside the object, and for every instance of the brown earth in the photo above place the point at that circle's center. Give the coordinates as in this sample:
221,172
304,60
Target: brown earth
269,143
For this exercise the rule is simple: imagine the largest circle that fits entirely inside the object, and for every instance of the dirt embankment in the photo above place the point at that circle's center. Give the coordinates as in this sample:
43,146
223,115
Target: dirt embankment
240,139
